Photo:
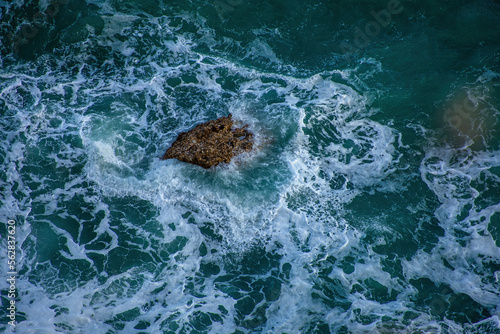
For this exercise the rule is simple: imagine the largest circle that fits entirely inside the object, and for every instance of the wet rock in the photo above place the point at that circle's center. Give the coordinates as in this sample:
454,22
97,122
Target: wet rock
211,143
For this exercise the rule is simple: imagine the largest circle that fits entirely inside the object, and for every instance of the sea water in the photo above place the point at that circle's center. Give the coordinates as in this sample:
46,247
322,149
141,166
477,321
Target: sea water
370,204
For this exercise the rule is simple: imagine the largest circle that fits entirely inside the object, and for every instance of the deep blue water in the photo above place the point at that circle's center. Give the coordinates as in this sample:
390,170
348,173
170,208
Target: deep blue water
370,205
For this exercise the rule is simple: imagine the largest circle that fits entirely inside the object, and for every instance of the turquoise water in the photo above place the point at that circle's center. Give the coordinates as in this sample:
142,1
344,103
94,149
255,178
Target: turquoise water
371,204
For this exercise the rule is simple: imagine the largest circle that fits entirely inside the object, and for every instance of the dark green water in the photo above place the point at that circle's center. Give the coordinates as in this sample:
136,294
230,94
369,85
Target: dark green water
372,204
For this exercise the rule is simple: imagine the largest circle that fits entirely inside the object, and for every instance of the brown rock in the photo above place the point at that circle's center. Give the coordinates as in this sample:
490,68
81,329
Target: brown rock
211,143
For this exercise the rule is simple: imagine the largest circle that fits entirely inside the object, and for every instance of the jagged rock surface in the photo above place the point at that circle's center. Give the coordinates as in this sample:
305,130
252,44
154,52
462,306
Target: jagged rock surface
211,143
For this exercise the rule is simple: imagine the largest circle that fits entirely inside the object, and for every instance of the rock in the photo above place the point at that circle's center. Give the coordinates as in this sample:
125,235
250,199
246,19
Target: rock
211,143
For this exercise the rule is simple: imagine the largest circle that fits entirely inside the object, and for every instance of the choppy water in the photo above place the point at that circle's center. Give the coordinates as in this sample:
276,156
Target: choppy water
371,205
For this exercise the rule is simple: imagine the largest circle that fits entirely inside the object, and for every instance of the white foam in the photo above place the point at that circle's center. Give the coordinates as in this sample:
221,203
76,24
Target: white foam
449,174
279,197
107,153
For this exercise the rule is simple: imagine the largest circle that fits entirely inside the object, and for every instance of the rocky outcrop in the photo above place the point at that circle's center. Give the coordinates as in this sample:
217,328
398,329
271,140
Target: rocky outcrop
211,143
